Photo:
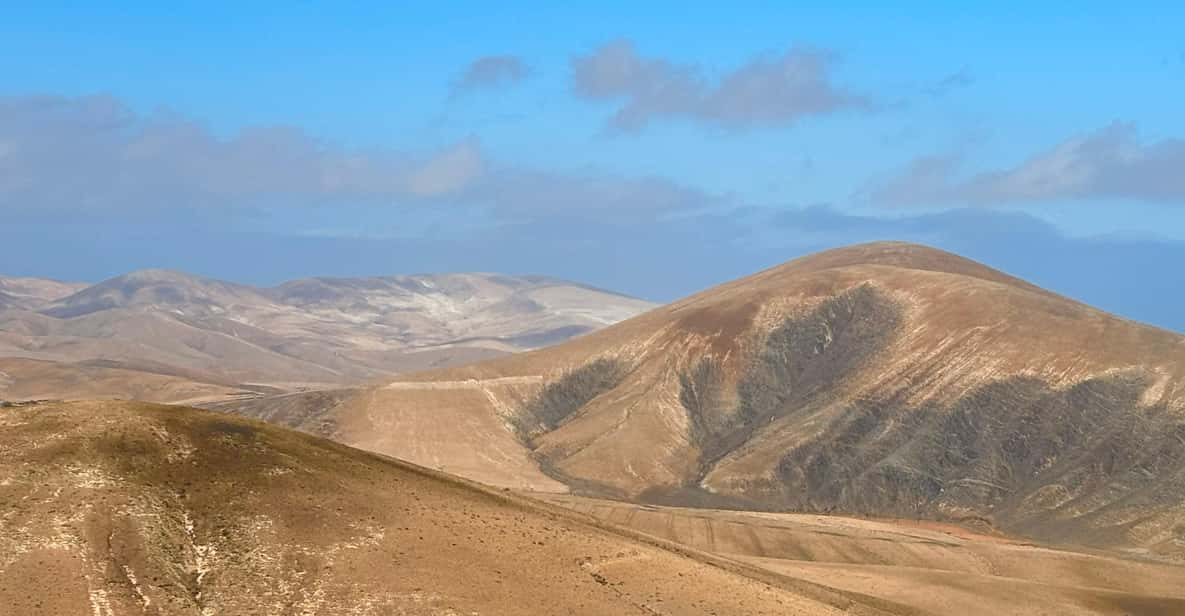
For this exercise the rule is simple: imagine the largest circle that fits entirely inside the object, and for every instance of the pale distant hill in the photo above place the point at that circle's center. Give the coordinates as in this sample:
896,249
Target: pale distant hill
312,333
31,293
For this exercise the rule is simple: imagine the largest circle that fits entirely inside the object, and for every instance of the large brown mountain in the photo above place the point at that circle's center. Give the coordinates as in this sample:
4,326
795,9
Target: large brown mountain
172,334
887,379
114,508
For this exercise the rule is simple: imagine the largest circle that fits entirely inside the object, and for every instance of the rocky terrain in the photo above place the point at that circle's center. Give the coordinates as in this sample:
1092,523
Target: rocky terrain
113,508
173,333
884,379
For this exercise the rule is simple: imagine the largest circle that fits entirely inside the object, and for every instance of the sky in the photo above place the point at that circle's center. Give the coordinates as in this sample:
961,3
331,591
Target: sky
655,150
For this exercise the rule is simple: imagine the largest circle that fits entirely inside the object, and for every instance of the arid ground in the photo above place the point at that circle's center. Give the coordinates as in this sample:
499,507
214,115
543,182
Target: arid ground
882,429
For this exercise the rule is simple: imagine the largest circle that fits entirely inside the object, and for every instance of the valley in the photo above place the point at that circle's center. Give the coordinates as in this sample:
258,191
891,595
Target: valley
924,567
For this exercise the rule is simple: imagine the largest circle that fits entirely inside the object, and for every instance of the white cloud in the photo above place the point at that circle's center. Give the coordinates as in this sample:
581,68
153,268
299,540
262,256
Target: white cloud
1109,163
96,155
768,90
491,72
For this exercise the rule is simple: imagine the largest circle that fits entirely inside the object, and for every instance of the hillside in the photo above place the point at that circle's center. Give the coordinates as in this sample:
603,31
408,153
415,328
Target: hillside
883,379
114,508
312,333
927,568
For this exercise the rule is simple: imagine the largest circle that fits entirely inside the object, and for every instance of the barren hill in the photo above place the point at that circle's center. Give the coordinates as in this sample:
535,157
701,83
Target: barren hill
31,293
114,508
886,379
322,332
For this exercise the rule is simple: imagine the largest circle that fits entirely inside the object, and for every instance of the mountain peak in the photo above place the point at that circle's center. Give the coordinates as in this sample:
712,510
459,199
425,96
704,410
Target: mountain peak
905,255
148,288
160,275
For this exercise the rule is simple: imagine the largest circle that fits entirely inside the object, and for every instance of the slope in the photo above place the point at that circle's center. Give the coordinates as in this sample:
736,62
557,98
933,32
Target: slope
932,567
127,508
29,379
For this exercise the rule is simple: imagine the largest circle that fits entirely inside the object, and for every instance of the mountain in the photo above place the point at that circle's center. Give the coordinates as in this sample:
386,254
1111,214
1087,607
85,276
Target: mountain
314,333
152,290
31,293
115,508
884,379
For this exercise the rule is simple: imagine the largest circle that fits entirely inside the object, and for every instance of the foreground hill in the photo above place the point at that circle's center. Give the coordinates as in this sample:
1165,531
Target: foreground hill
886,379
114,508
317,333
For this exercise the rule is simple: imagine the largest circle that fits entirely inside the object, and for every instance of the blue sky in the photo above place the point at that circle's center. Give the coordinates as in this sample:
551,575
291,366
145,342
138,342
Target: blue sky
694,143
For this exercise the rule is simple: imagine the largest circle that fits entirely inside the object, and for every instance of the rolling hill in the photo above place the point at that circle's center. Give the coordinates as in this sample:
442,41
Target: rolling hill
112,508
31,293
884,379
312,333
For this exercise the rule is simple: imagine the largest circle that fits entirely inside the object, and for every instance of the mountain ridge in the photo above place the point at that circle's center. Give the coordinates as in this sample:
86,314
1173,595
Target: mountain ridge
307,333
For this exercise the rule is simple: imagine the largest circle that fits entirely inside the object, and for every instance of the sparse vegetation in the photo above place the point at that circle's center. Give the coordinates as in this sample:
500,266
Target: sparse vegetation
701,393
799,359
563,397
806,355
991,452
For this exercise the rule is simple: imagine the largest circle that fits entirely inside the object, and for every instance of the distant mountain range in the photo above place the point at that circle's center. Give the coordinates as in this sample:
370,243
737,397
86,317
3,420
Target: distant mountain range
170,336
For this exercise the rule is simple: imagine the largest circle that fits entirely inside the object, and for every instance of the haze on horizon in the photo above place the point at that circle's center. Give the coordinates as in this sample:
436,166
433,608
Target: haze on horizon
615,146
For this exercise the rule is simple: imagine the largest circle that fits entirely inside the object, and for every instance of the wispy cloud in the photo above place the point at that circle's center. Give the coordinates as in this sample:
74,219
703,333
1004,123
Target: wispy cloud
767,91
96,155
1109,163
959,79
491,72
524,193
